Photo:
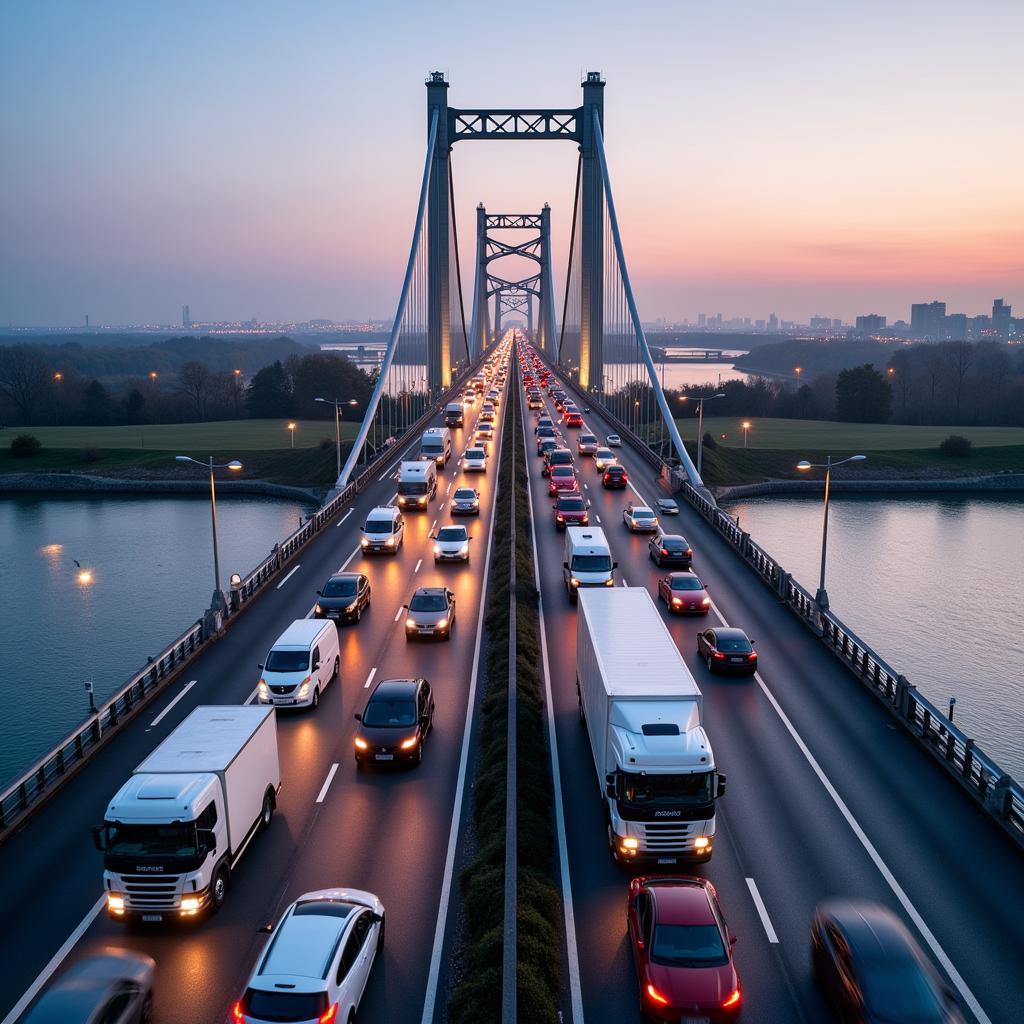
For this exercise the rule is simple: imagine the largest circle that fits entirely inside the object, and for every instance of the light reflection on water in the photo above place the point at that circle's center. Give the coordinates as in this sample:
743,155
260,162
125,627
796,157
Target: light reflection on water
932,583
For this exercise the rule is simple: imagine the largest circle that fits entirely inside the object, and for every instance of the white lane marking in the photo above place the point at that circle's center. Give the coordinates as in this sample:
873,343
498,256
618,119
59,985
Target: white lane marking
386,473
369,678
327,783
418,564
55,961
398,614
289,576
433,524
430,997
252,696
586,487
159,718
762,911
624,583
440,508
344,565
448,489
345,516
597,517
572,954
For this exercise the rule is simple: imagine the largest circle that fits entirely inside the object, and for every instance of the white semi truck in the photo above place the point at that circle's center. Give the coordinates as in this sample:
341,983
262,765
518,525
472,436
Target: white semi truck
175,830
642,710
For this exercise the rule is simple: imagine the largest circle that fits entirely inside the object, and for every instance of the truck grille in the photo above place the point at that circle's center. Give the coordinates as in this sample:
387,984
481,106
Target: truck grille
666,836
151,892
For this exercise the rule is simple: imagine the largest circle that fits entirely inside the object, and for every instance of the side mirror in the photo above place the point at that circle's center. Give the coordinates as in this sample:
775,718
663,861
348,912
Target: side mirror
565,565
362,529
615,565
405,606
97,838
319,593
265,929
260,666
358,716
752,642
732,940
316,665
720,791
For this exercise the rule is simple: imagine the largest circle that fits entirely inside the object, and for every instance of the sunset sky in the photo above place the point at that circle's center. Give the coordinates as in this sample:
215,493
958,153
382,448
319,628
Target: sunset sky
255,159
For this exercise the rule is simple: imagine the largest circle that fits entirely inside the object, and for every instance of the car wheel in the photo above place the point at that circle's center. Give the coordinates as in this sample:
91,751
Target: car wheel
315,703
359,612
267,814
337,666
709,663
219,889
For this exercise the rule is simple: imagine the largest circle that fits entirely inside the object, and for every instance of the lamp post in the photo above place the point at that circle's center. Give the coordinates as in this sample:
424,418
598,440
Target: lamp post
821,597
746,425
291,430
700,424
218,603
337,403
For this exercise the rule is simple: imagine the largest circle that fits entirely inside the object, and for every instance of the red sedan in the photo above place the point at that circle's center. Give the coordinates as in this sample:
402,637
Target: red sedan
561,480
682,951
574,419
571,510
683,592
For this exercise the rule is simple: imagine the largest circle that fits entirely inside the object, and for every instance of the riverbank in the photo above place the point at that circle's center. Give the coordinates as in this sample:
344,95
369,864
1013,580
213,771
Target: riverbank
1001,483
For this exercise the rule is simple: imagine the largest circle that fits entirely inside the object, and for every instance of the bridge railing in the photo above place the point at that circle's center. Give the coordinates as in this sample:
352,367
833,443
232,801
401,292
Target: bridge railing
45,777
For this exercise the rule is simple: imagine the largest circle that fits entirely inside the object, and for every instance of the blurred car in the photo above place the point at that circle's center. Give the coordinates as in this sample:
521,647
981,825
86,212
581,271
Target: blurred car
466,502
683,592
586,444
475,460
682,951
574,419
431,613
556,457
562,478
317,961
571,510
113,987
452,544
469,398
639,518
345,596
614,477
535,402
483,437
667,506
545,445
543,421
545,433
727,649
487,413
614,441
873,970
670,549
395,722
603,458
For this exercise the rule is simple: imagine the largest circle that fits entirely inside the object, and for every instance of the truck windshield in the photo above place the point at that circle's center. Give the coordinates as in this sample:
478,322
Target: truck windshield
177,839
662,790
412,487
592,563
287,661
432,447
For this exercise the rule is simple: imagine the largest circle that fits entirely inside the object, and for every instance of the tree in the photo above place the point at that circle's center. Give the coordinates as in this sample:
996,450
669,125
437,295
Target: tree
957,356
135,406
269,393
194,381
25,378
324,375
863,395
97,408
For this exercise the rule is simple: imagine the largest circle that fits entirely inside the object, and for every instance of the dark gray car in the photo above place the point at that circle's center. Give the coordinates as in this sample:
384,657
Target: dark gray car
115,987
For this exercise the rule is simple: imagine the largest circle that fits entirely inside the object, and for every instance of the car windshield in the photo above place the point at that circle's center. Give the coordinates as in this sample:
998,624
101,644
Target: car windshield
173,840
899,992
571,505
605,453
588,439
287,661
688,945
427,603
734,645
284,1006
662,790
686,583
452,533
562,473
377,526
592,563
465,494
475,453
340,588
394,714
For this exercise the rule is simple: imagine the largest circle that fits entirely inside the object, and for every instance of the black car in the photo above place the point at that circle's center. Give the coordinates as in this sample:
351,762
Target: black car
670,549
872,969
345,597
727,649
395,722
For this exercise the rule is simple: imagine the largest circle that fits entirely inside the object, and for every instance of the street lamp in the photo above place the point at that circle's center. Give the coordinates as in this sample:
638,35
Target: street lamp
821,597
337,403
153,375
798,370
700,424
218,603
746,425
291,430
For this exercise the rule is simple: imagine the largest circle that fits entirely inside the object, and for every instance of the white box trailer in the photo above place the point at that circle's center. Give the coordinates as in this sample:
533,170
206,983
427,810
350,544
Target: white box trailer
176,829
643,713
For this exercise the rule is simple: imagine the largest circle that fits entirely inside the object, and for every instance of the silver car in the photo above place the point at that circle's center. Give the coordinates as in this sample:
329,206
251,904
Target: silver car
451,544
115,987
431,614
466,502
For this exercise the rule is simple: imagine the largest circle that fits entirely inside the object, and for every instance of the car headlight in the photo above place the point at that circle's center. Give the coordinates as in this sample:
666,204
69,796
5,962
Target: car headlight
351,608
410,743
190,904
410,623
609,582
706,602
115,903
701,843
442,623
390,542
365,542
437,549
263,688
360,743
676,602
317,608
304,689
575,582
464,550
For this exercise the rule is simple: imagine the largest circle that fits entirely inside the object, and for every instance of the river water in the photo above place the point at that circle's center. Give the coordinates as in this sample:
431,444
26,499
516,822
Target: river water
151,565
934,584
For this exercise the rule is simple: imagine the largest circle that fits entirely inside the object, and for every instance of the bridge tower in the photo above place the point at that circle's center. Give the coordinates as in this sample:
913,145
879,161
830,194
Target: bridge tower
439,338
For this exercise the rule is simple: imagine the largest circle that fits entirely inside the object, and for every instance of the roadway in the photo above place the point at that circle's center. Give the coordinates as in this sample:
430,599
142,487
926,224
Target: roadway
826,795
385,831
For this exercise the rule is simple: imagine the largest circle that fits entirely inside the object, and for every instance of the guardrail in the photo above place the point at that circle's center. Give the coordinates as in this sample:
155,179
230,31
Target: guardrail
45,777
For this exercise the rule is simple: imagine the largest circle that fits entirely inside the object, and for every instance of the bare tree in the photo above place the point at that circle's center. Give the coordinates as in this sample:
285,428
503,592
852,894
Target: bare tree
194,379
25,377
957,359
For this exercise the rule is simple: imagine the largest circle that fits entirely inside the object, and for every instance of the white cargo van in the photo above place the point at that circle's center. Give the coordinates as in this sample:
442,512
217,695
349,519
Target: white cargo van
453,414
417,484
436,444
384,530
588,560
305,658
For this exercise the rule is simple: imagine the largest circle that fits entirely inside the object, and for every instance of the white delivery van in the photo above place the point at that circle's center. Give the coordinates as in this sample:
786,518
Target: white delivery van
417,484
305,658
175,830
588,560
384,530
453,414
436,444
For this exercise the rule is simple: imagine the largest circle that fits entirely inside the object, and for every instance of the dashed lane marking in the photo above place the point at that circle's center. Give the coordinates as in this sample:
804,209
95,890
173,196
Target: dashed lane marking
159,718
762,911
294,570
327,783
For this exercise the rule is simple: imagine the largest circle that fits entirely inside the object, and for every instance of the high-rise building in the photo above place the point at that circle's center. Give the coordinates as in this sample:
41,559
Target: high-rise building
956,327
928,319
773,323
821,323
186,316
1001,318
702,319
870,323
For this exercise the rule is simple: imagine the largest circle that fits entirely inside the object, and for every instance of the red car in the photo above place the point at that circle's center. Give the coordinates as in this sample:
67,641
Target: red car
684,592
571,510
682,951
562,479
574,419
615,476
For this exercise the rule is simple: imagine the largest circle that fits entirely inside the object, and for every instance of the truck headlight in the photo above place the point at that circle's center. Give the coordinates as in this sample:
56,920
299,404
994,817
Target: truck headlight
630,843
701,843
190,904
115,903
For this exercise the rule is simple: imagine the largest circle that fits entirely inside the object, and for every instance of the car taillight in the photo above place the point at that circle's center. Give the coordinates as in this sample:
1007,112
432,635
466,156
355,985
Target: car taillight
664,552
719,656
689,552
732,1000
655,996
237,1015
327,1017
752,656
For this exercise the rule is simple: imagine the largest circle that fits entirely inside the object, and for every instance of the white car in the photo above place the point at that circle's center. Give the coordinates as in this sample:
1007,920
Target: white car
614,441
475,460
451,544
640,518
586,444
317,960
603,458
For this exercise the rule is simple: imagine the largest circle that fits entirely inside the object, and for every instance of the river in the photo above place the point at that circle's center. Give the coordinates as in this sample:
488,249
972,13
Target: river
151,574
932,583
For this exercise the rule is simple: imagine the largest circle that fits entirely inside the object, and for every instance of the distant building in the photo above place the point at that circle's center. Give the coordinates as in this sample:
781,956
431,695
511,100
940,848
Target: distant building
821,323
186,316
702,319
837,324
870,323
956,327
759,325
1001,318
928,320
773,323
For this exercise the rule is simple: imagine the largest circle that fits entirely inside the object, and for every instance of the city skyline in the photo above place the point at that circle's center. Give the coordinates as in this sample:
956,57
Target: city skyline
266,167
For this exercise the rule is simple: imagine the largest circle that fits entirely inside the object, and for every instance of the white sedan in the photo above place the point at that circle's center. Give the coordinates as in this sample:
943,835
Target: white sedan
603,458
451,544
640,519
475,460
614,441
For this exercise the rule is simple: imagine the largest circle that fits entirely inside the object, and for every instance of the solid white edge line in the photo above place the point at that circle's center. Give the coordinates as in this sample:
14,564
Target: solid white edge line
369,678
55,961
294,570
159,718
398,614
345,516
762,911
572,953
430,997
327,783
